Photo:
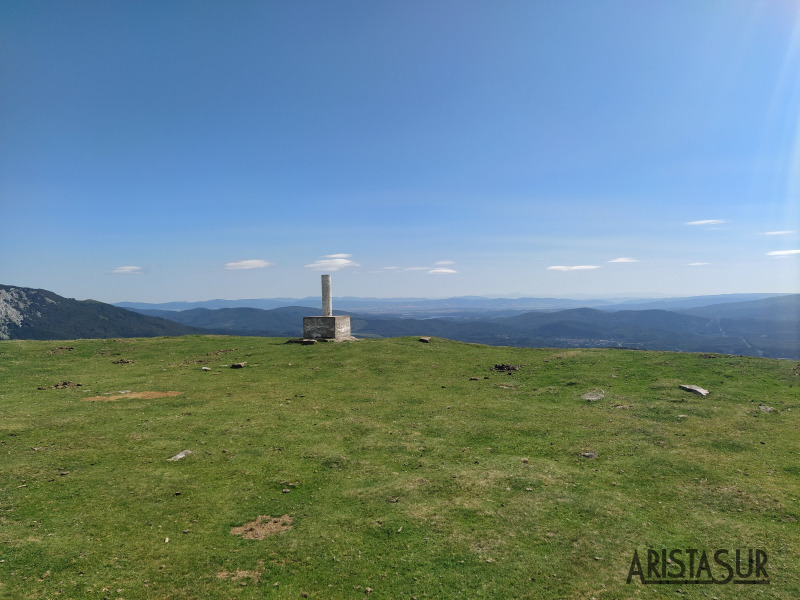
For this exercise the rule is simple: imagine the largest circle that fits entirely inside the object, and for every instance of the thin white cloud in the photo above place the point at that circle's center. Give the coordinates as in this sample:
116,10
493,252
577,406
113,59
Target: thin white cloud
707,222
440,267
624,260
247,264
442,271
698,264
778,232
573,268
333,262
128,270
405,268
783,253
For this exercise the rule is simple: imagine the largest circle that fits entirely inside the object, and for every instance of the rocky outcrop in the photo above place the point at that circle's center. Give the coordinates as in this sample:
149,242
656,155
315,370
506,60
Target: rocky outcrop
34,314
14,305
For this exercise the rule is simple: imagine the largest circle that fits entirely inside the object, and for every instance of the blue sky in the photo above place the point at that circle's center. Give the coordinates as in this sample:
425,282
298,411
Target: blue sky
155,151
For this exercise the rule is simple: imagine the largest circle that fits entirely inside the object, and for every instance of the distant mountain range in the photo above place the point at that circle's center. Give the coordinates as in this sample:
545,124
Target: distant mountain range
30,314
777,308
749,324
461,306
286,321
767,326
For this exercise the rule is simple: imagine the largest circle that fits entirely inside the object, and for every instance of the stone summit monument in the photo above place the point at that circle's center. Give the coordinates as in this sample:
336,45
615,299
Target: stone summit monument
327,327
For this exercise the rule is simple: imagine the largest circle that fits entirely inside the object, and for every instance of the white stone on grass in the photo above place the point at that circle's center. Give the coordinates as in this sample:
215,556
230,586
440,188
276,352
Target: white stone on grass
695,389
180,455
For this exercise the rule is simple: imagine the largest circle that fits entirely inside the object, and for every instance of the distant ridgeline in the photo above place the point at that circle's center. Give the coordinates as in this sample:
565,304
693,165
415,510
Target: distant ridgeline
767,326
29,314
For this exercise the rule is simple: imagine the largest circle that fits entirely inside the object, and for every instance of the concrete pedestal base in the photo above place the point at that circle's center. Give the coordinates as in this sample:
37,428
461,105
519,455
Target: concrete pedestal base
327,328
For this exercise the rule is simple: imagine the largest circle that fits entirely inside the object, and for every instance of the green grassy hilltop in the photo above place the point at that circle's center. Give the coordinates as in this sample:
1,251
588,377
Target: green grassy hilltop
387,468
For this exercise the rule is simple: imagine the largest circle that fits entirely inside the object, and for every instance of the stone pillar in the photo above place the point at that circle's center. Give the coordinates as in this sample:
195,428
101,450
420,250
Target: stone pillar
327,304
327,327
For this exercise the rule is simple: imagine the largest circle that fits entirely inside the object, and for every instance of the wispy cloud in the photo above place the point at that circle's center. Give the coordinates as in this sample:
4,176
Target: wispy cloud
781,253
247,264
624,260
333,262
707,222
778,232
573,268
442,271
438,268
127,270
698,264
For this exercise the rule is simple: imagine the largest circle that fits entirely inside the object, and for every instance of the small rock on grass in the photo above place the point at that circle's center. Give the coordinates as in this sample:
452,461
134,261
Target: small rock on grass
695,389
239,365
180,455
589,454
765,408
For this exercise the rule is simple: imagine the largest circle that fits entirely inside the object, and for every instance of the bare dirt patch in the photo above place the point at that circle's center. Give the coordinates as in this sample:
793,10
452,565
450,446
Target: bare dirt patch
61,349
506,368
219,352
194,360
60,386
240,574
141,395
263,526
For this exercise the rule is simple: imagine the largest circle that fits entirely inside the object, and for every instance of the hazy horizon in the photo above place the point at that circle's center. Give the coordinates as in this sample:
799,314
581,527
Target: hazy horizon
577,297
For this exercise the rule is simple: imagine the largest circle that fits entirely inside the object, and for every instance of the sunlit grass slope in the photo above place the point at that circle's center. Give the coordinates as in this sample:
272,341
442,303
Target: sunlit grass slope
399,469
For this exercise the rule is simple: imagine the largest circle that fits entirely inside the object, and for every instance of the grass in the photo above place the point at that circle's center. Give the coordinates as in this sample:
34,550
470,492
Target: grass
400,474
